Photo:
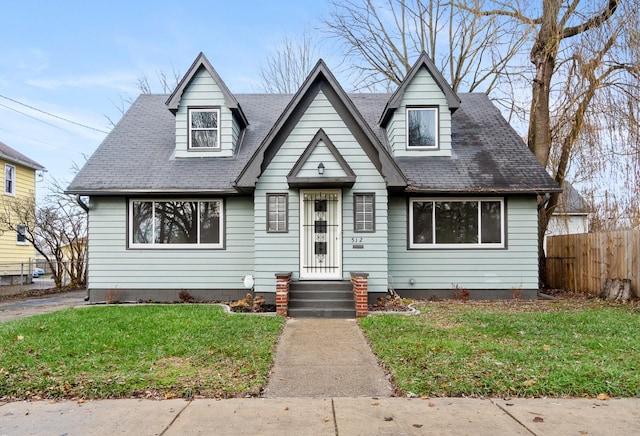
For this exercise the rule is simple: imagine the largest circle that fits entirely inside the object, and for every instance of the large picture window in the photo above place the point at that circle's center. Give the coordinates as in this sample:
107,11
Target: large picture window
9,179
175,224
422,127
456,223
204,131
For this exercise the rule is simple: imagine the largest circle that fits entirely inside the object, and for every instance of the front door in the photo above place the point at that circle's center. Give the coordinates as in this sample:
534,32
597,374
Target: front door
321,234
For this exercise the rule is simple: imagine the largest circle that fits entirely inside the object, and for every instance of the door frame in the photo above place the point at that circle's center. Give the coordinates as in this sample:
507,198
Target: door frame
336,248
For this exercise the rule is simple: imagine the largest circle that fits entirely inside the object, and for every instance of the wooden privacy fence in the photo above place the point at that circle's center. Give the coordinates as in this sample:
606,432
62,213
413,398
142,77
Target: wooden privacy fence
582,262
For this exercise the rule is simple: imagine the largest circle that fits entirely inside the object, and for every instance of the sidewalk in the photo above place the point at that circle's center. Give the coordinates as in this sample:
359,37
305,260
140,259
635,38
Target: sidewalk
324,416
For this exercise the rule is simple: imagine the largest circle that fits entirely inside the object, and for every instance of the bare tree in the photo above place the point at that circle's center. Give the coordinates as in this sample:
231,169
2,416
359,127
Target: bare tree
381,40
166,82
289,65
57,230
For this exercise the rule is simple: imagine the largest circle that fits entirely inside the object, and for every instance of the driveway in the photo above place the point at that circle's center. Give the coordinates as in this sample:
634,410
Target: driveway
28,306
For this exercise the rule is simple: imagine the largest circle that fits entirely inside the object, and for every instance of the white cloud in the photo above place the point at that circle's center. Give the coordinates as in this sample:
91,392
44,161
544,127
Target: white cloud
119,80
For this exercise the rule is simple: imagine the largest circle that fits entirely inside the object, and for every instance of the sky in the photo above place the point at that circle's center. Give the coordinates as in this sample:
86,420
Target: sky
67,67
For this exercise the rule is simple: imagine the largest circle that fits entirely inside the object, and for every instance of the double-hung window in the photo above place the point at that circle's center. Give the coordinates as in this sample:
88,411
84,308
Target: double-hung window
364,212
456,223
277,213
21,234
176,223
204,129
422,128
9,179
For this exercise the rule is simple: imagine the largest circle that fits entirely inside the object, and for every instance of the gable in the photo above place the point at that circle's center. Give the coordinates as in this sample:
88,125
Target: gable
321,81
320,161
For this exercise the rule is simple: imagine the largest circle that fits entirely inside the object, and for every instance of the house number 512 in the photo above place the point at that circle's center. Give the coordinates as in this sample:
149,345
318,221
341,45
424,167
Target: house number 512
356,240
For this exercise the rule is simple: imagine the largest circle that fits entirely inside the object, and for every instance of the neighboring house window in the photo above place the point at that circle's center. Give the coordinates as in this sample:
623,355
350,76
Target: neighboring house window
21,234
9,179
176,224
277,213
364,213
422,127
204,132
456,223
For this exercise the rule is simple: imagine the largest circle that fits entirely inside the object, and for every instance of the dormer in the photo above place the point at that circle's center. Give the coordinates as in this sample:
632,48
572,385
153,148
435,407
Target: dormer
209,119
417,117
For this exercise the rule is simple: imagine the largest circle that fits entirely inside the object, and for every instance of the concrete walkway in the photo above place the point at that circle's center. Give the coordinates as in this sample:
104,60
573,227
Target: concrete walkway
325,358
324,416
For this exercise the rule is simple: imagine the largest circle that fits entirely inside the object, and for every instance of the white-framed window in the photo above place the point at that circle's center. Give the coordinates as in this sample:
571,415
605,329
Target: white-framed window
364,212
277,213
9,179
204,129
456,223
422,127
21,235
179,223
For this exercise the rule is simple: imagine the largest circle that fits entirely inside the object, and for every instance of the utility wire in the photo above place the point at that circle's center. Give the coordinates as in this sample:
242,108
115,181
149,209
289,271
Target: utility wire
32,117
50,114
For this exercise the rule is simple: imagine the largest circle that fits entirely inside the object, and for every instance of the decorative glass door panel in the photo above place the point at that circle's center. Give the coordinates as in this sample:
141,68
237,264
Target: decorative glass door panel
321,235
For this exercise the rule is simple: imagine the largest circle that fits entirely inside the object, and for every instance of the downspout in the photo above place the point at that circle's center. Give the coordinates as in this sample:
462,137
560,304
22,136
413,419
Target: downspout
82,204
85,207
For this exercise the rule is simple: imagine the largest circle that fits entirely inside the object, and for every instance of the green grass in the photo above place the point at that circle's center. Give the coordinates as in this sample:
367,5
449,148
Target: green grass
137,351
511,349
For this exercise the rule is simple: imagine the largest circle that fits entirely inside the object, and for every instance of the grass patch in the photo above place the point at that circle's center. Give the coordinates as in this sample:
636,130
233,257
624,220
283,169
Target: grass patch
527,349
137,351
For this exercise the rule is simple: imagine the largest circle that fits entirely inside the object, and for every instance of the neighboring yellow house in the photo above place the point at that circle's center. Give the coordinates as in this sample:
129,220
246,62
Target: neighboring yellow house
18,173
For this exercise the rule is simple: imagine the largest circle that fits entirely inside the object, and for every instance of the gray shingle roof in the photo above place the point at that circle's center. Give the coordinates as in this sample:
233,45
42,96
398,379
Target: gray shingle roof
137,156
9,154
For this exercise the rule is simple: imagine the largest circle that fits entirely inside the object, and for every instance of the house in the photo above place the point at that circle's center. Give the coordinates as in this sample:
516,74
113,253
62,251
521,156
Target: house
19,184
571,216
205,191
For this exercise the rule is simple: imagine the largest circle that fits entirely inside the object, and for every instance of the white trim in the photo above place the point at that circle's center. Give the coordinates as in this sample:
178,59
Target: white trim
24,235
478,244
190,129
14,176
153,245
336,247
436,110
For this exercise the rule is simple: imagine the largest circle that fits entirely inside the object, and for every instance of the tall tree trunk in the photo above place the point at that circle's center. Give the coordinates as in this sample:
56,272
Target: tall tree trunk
543,56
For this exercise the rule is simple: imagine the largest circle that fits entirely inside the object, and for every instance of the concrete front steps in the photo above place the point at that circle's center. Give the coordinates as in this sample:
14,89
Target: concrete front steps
321,299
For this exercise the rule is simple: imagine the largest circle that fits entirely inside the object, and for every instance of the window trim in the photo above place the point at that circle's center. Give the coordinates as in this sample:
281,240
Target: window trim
155,246
477,245
373,205
435,109
286,212
190,129
12,168
22,234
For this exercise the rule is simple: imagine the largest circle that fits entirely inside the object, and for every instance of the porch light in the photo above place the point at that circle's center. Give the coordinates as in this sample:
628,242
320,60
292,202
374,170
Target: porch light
321,168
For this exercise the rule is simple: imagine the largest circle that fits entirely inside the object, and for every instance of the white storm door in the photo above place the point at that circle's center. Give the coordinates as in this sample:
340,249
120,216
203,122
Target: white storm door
321,234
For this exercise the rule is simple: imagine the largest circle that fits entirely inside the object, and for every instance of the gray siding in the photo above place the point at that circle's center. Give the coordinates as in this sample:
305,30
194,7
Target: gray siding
276,252
113,266
513,267
204,92
422,90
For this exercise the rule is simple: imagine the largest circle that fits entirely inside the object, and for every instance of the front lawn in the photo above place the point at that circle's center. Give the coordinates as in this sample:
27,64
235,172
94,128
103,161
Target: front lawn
163,351
543,348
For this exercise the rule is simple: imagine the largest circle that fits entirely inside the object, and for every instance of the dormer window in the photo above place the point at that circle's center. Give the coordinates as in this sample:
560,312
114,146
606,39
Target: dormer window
204,132
422,128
